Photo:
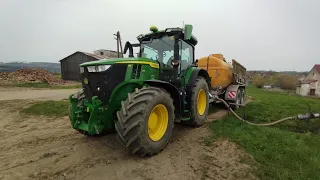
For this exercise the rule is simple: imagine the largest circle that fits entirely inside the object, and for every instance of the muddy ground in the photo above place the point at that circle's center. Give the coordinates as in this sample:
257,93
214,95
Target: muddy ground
34,147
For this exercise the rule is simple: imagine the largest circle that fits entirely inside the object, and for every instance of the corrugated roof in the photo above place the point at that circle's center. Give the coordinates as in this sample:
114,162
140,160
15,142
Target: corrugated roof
106,50
308,81
95,55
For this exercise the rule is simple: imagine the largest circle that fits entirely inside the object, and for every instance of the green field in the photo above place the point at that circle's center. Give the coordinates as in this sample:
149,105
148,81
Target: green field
48,108
287,151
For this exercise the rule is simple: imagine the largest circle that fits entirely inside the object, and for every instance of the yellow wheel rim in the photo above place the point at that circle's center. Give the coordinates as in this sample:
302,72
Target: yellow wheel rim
158,122
201,102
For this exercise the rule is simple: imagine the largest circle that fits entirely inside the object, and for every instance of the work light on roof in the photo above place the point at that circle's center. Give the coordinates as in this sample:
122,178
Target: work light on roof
154,29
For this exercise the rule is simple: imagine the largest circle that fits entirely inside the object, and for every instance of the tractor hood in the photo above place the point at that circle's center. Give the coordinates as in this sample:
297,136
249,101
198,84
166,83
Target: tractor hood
119,60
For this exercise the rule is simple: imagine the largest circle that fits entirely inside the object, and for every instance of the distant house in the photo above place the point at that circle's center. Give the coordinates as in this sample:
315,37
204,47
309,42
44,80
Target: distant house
301,78
310,85
70,69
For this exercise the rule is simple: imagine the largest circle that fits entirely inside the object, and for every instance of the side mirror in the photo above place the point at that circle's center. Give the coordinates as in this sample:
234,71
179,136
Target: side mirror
126,47
187,31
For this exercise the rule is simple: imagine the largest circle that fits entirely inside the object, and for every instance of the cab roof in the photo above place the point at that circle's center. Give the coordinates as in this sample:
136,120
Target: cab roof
170,32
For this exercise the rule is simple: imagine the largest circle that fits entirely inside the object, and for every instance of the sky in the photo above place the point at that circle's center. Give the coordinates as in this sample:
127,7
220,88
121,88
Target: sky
280,35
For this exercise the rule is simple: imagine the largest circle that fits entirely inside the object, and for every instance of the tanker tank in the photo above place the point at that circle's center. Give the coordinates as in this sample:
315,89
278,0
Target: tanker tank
218,69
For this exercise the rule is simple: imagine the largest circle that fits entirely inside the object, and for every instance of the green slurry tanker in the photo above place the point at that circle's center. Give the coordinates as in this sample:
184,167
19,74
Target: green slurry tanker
142,97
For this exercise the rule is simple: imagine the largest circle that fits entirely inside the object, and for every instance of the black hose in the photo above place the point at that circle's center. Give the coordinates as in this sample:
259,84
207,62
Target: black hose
301,117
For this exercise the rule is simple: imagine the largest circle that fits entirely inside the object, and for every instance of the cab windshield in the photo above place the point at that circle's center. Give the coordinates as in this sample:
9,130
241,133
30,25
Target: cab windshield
160,49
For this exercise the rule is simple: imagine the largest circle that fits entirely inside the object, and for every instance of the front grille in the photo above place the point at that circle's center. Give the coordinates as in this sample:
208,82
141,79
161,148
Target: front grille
102,84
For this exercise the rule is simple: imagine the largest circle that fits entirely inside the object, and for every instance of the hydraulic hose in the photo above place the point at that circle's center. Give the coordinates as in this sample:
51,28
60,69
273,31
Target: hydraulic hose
301,117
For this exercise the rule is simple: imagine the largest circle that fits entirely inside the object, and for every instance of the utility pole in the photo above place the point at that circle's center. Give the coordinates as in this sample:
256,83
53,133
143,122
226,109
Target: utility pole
119,43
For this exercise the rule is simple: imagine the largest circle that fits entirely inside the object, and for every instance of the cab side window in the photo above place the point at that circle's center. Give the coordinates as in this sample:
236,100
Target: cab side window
186,55
149,53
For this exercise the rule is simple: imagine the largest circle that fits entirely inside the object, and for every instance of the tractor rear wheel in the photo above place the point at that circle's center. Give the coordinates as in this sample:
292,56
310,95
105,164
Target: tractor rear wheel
199,103
145,121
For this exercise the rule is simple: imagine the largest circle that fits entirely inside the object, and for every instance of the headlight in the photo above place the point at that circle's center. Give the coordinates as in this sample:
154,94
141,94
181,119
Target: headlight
103,67
99,68
81,69
91,68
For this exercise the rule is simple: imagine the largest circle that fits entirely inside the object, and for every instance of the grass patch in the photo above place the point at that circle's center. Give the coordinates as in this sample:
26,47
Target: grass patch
281,153
48,108
45,85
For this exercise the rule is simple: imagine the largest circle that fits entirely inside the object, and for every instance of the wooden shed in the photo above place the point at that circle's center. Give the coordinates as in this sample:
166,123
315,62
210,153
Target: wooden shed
70,69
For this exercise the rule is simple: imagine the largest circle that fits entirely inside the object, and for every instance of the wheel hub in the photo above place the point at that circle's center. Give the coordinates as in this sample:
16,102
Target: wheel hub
153,120
158,122
201,102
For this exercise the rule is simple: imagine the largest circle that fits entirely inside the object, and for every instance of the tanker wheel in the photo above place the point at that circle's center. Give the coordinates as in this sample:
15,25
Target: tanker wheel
239,99
199,103
145,121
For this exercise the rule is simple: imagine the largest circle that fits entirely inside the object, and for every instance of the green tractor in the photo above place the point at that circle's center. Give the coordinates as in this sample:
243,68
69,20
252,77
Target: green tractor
142,97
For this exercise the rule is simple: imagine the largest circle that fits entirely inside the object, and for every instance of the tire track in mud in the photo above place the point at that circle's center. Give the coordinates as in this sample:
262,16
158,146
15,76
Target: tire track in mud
42,148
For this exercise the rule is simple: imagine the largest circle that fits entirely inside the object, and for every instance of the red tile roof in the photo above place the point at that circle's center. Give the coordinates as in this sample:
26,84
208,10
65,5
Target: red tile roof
308,81
317,67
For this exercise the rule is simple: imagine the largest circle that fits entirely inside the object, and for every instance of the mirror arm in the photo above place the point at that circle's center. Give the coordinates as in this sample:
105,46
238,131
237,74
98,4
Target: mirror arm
127,46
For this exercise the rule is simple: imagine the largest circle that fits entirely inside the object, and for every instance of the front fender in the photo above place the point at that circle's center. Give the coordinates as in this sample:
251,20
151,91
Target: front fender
120,93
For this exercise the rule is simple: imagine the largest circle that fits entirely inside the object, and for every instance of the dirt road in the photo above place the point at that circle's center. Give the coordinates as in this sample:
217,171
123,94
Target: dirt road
42,94
33,147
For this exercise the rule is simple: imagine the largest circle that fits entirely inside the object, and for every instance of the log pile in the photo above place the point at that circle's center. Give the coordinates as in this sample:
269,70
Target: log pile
30,75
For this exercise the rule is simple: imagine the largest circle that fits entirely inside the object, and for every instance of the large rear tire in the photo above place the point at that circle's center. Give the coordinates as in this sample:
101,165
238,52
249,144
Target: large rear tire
199,103
145,121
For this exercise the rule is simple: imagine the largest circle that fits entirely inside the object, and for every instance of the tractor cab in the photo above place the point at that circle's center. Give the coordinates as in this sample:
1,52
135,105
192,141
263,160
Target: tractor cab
172,49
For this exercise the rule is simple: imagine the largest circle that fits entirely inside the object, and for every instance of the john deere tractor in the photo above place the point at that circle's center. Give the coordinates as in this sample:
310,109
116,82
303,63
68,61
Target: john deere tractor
142,97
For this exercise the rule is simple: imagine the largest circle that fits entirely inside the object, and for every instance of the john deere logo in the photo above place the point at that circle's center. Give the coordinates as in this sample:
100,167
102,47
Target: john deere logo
85,81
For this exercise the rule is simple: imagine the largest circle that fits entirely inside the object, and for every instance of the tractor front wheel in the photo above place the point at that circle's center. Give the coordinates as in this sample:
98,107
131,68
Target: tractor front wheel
145,121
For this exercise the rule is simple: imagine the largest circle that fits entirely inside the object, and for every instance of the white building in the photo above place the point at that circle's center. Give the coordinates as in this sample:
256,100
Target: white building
104,52
310,86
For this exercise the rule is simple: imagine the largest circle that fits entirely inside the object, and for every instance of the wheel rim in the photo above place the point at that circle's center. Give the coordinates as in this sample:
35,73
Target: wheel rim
201,102
158,122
